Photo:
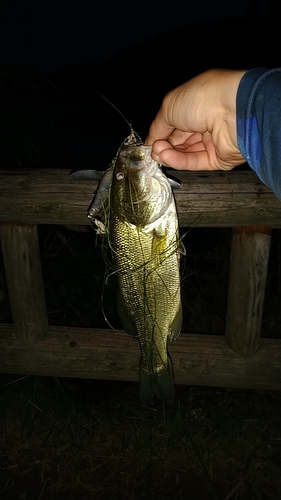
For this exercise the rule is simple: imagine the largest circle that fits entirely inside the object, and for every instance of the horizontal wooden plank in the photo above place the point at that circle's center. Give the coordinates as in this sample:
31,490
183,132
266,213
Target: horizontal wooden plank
105,354
215,199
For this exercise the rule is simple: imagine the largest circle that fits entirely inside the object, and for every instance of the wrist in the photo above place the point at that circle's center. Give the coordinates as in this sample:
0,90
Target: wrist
226,83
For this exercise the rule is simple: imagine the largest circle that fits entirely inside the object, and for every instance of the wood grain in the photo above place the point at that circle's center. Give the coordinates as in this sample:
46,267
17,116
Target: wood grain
104,354
22,261
205,199
250,248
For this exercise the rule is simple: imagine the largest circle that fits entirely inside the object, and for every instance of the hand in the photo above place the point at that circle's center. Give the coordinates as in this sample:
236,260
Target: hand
195,128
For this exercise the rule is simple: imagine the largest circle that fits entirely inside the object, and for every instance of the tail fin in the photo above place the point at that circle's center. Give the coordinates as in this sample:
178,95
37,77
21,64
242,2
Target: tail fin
161,384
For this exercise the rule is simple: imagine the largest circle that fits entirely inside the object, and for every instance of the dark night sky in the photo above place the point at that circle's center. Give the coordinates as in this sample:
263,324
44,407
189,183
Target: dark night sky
133,52
49,34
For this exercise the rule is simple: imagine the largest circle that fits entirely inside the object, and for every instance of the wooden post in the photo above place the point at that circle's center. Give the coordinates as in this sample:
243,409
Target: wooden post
24,278
247,279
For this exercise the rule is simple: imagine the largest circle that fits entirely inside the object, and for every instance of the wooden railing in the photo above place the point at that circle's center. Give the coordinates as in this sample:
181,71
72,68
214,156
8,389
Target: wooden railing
241,358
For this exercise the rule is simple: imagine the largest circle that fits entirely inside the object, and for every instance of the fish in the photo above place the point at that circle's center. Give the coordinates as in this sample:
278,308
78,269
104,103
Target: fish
141,225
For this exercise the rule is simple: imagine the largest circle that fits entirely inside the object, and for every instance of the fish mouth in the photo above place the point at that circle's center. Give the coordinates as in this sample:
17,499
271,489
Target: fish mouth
135,152
138,157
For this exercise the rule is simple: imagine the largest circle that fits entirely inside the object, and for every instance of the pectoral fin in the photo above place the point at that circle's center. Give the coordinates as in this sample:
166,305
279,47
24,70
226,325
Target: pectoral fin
174,184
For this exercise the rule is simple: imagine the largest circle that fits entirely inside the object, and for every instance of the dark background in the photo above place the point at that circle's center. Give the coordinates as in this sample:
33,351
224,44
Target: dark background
58,56
78,439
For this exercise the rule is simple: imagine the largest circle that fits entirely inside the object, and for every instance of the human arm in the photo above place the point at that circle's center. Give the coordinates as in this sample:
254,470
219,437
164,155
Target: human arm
258,109
198,128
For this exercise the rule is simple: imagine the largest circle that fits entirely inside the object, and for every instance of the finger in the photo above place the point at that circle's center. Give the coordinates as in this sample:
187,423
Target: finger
194,148
179,160
189,146
160,145
159,129
194,138
180,137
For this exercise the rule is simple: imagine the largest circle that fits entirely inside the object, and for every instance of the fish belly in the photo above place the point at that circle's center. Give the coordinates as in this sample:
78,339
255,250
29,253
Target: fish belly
149,301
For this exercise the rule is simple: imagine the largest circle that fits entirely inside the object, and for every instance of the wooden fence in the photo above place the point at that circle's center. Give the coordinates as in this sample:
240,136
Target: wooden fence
241,358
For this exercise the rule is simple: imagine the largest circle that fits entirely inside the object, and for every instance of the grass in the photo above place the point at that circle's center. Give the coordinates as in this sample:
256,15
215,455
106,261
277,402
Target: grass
66,438
84,439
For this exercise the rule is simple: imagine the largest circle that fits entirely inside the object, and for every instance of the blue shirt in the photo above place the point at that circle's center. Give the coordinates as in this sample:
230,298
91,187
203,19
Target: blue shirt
258,111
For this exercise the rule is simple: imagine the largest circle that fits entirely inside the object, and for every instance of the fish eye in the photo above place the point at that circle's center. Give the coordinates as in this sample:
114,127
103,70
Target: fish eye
120,176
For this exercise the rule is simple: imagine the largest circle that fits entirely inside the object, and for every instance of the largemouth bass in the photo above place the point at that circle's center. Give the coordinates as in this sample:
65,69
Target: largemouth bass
142,228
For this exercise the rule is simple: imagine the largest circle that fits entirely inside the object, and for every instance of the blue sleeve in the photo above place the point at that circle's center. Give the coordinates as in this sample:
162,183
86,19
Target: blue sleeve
259,124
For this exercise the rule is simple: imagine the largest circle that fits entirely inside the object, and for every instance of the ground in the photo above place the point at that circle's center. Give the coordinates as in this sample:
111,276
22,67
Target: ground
87,439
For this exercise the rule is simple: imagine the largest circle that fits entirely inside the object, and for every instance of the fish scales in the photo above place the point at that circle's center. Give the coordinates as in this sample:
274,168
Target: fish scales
141,225
147,271
143,236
